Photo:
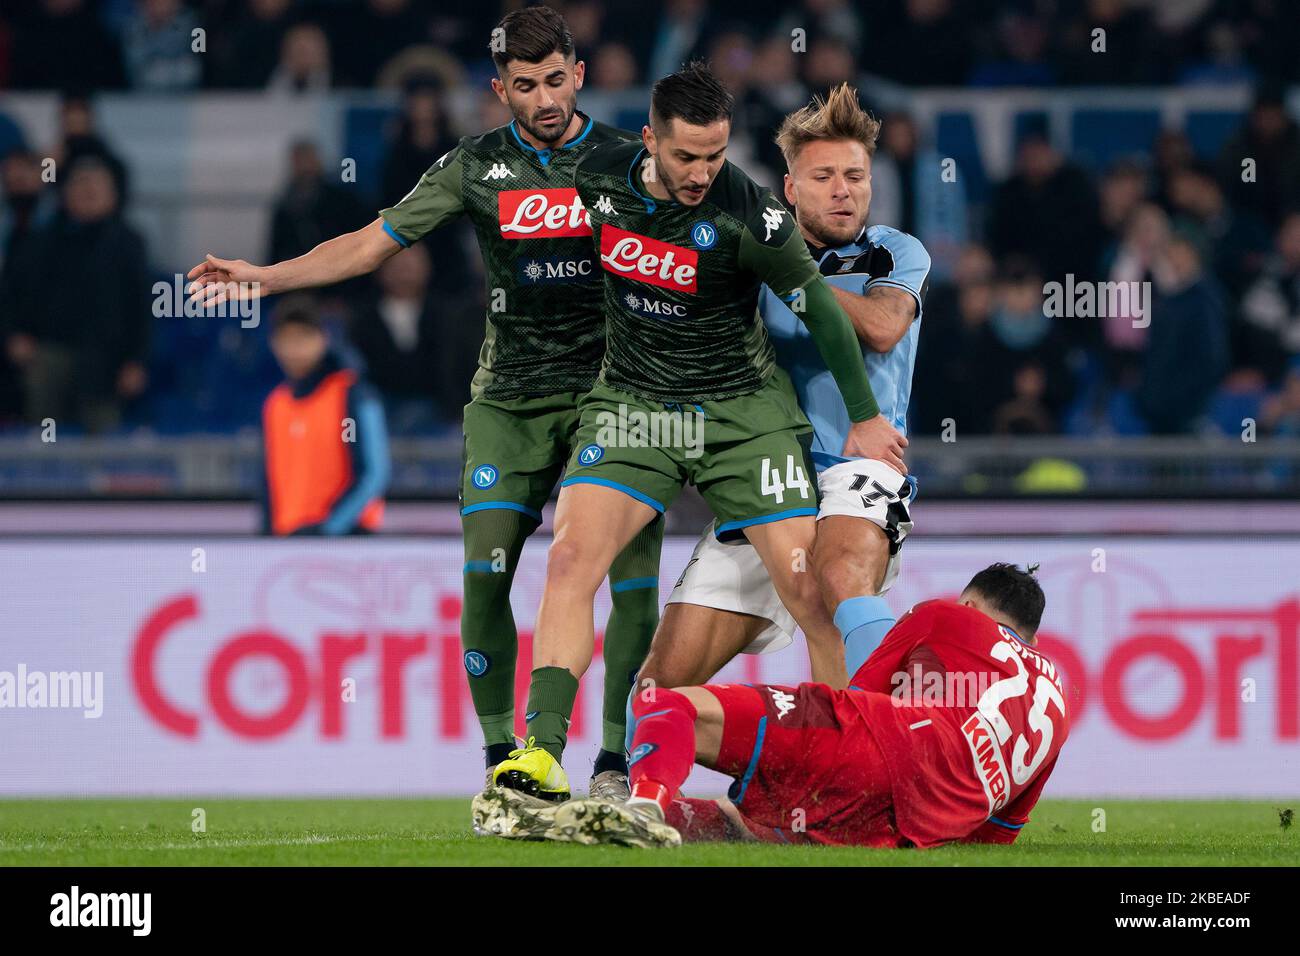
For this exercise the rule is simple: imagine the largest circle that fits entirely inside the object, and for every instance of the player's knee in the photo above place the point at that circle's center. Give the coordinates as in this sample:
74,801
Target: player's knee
569,563
658,671
844,574
799,591
844,577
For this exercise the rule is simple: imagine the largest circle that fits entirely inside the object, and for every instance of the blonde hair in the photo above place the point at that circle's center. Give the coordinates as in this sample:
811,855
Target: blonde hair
838,116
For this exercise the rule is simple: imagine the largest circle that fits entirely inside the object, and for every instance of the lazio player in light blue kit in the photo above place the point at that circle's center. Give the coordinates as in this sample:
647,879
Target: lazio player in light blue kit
723,603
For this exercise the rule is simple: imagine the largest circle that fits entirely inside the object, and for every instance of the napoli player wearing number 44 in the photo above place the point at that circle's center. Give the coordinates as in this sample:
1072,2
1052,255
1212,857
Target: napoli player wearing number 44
724,603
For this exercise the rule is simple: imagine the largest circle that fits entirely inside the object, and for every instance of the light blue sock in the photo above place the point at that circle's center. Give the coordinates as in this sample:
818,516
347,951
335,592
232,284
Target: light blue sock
631,721
863,622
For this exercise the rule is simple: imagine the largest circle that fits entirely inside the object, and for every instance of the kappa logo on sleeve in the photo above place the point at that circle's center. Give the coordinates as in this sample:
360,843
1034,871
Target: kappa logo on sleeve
772,218
648,260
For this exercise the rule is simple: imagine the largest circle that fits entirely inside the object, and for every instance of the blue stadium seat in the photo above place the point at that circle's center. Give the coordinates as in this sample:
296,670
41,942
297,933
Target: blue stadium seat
1081,416
1228,408
1209,131
1103,136
1029,121
954,136
1123,415
11,135
365,130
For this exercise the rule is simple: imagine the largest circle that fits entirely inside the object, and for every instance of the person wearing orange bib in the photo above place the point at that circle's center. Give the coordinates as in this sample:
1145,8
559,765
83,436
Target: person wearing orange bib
324,438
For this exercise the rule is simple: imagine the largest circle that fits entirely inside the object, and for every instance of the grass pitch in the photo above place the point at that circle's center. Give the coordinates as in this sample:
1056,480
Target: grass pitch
348,832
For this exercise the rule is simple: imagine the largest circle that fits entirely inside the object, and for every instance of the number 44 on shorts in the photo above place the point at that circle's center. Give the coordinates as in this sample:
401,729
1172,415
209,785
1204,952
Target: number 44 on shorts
770,479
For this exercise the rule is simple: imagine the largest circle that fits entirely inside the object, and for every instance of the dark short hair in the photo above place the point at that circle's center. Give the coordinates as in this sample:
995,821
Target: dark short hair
21,152
693,95
297,310
1019,268
1127,167
531,34
1200,169
1012,591
90,163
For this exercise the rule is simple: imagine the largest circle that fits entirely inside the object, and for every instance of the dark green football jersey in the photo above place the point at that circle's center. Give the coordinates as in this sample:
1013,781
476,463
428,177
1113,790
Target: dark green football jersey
545,326
682,282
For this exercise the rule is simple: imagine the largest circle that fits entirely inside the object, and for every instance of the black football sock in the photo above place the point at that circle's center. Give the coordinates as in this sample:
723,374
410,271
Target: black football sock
495,753
608,760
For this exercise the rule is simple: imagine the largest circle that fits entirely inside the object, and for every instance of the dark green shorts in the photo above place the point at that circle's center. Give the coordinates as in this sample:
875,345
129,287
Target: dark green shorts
515,450
748,456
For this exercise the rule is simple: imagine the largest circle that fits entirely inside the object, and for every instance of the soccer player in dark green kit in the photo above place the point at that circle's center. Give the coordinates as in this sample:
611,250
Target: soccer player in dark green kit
542,351
686,241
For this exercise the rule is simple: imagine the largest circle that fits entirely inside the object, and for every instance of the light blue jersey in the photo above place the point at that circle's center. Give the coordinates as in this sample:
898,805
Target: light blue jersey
880,256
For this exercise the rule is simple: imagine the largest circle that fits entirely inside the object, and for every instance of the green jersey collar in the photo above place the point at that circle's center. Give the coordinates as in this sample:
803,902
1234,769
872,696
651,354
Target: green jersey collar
650,202
544,155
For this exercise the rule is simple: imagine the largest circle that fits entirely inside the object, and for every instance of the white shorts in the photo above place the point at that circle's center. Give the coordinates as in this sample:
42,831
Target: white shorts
731,577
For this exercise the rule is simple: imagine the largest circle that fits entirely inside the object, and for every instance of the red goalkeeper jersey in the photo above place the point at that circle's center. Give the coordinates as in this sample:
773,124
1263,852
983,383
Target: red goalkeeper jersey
971,729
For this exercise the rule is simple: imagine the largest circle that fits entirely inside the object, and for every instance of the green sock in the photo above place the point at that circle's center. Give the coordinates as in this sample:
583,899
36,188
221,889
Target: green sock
493,542
550,705
634,586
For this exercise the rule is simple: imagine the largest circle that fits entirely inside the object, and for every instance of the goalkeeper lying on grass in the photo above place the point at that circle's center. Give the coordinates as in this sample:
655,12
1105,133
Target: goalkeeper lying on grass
947,733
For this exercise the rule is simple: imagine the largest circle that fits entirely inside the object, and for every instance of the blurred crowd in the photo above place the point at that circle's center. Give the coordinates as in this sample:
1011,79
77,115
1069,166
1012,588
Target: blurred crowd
89,340
320,44
1204,338
1218,342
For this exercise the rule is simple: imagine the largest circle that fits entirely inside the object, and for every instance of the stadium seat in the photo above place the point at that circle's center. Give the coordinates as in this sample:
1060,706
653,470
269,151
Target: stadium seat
1229,407
365,139
11,135
1122,413
1209,131
1100,137
954,135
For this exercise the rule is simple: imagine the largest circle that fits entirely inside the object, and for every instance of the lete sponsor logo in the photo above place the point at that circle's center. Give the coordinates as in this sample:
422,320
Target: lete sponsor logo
648,260
542,214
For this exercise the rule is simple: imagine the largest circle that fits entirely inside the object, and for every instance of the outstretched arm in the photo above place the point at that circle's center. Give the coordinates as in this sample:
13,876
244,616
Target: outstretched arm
344,257
436,198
